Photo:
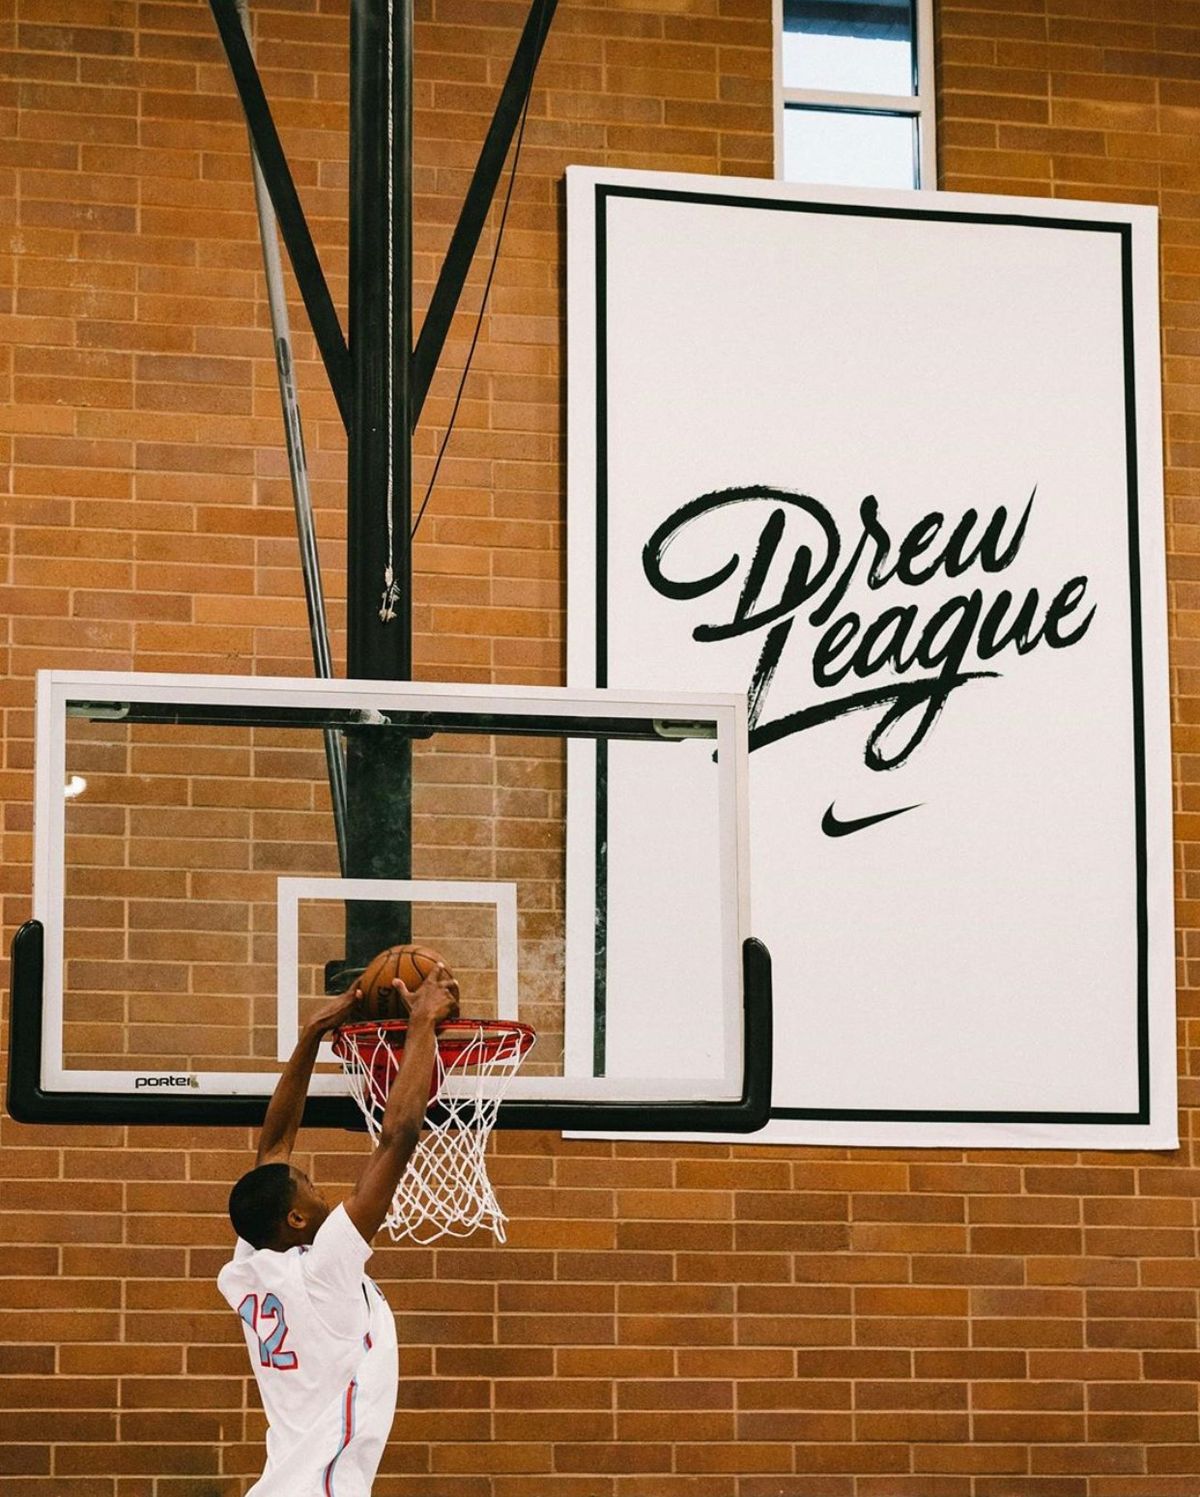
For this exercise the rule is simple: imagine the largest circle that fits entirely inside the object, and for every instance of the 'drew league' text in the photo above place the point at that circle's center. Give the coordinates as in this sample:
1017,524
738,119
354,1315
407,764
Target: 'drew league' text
924,655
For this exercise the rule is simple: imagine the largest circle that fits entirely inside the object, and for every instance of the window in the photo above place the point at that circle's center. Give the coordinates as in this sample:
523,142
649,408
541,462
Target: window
856,102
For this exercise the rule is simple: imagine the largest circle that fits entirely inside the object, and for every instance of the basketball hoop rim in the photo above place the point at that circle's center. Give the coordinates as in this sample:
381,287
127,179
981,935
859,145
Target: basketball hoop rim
449,1027
452,1035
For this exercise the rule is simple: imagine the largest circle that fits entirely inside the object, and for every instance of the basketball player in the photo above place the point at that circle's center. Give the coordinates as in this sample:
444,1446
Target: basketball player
320,1335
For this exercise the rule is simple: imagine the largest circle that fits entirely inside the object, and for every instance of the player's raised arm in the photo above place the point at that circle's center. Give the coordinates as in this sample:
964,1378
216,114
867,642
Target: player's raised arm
283,1116
436,999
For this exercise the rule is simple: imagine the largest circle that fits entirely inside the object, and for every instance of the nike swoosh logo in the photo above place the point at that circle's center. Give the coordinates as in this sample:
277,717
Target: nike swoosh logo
832,827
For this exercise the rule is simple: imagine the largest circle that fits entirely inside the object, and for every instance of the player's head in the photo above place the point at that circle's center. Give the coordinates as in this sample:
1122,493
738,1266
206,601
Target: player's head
276,1206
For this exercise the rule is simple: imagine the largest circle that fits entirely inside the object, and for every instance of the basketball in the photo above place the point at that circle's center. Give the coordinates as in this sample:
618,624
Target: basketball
411,964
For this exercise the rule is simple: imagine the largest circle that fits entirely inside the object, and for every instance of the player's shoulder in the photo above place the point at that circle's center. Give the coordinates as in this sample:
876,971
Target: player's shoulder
234,1277
338,1227
256,1264
338,1251
243,1253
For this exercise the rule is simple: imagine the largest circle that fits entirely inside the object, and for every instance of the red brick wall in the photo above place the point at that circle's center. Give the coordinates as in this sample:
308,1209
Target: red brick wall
666,1321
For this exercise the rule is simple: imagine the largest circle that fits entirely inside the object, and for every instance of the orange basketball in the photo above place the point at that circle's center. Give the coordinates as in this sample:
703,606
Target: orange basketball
411,964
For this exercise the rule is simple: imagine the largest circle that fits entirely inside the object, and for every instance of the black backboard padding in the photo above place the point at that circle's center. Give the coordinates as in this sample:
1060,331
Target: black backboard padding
29,1103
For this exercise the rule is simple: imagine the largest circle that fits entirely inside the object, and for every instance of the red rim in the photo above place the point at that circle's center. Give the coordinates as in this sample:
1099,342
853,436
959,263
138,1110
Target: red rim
453,1036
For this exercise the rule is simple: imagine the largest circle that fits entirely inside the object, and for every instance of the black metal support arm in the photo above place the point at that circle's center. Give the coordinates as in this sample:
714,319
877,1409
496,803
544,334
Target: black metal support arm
465,239
310,278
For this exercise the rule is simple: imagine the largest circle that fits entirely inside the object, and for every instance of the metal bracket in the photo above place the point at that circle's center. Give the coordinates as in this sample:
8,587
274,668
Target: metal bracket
465,239
310,278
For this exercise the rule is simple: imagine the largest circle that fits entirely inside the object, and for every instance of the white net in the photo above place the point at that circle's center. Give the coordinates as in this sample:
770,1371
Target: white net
445,1191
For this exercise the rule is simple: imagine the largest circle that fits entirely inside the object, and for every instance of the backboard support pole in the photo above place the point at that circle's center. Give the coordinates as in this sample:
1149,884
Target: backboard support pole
379,489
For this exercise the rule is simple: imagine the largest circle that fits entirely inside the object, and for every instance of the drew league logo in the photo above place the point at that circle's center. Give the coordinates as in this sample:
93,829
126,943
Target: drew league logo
926,652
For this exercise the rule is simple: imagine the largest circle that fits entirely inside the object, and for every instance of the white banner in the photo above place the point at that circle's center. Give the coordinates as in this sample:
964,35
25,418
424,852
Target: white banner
890,463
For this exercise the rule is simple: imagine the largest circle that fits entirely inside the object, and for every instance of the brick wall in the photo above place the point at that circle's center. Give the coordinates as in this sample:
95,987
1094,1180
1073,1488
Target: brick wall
666,1321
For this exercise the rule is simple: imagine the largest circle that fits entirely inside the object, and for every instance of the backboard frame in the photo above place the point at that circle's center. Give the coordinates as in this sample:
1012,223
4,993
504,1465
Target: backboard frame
40,1089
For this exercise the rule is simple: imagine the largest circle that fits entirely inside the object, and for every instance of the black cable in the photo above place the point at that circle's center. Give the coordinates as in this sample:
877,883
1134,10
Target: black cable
512,177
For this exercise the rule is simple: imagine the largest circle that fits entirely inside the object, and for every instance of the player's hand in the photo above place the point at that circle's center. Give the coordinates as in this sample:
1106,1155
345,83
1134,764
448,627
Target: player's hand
436,999
344,1009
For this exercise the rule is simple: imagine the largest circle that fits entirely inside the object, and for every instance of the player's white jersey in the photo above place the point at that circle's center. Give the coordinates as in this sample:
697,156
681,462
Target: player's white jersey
322,1342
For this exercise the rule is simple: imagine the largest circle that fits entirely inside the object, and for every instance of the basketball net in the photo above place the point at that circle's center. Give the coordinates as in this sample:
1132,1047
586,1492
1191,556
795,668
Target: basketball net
445,1190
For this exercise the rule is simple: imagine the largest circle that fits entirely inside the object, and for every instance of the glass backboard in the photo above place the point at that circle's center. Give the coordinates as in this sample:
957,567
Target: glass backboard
203,881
